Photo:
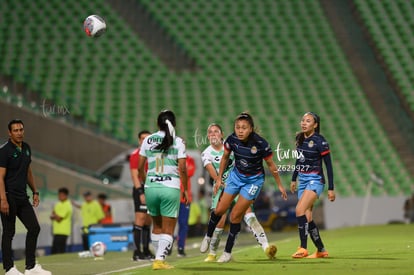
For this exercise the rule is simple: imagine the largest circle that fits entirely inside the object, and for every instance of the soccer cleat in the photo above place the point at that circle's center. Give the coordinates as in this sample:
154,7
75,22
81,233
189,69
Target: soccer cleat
225,258
210,258
149,256
323,254
138,256
13,271
181,252
300,253
37,270
271,251
205,244
160,264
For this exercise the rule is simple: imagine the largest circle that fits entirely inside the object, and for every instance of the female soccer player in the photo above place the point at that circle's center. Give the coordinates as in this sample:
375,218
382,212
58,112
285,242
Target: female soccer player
211,157
312,148
166,158
245,179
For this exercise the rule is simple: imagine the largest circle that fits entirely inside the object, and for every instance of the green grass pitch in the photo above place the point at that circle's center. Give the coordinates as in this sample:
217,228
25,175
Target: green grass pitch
385,249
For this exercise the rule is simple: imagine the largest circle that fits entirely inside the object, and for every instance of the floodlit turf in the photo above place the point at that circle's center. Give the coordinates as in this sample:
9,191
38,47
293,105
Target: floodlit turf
387,249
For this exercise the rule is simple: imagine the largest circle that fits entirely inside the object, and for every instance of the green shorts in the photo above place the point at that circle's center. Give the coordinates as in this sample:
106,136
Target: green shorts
163,201
216,198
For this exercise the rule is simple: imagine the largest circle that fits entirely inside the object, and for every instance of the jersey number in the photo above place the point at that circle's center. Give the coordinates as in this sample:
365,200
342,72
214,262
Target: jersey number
253,190
159,164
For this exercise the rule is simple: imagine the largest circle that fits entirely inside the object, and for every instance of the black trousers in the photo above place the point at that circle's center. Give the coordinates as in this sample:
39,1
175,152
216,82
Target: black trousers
85,241
59,244
22,209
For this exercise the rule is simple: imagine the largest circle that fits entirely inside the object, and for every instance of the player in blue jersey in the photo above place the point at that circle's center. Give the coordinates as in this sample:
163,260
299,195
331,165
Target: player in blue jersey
211,158
245,179
312,148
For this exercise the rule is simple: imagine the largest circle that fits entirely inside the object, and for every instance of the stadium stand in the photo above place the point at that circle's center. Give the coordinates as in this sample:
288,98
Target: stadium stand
390,26
275,59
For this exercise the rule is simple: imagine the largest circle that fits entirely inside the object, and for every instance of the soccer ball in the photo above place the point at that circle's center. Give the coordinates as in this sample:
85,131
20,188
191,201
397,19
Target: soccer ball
94,26
98,249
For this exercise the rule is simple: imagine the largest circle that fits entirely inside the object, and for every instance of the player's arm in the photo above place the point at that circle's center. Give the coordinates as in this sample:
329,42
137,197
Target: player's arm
211,171
273,170
30,181
141,168
134,171
135,178
142,174
4,205
182,170
208,165
222,167
293,185
328,163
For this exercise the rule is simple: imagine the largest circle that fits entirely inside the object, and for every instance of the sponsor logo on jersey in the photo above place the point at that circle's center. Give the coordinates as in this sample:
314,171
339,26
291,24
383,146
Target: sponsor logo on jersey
244,162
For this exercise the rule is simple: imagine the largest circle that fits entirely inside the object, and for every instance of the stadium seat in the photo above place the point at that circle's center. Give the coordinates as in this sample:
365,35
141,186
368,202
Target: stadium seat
276,59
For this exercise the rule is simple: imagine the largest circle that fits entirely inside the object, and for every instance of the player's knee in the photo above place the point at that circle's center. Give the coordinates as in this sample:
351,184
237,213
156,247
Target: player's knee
300,211
236,217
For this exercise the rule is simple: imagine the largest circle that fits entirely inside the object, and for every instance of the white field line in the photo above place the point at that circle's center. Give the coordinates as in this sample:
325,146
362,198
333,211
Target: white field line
239,250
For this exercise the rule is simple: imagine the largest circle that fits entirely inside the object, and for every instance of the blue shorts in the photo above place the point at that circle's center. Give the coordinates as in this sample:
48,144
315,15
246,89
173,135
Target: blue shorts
310,182
246,186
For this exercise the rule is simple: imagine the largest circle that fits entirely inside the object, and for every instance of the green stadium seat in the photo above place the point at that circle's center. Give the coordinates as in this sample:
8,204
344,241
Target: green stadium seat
276,59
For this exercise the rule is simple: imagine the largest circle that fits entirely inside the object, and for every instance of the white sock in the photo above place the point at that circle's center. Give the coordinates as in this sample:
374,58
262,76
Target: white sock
215,240
155,238
257,230
164,244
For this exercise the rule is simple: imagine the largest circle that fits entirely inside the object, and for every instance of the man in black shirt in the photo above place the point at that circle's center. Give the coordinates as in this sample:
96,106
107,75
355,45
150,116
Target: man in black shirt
15,175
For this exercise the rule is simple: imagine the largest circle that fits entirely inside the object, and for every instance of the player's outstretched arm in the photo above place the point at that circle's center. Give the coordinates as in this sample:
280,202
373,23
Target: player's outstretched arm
272,167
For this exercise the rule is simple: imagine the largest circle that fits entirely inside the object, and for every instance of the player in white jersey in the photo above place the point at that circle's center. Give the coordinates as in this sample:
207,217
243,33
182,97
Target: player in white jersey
211,158
166,158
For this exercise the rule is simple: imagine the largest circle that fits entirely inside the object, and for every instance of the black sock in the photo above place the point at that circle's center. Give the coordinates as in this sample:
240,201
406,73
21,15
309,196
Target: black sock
212,223
137,238
234,232
303,231
146,237
316,238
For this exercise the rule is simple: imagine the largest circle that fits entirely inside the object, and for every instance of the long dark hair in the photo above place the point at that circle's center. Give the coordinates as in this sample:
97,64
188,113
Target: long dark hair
166,123
300,137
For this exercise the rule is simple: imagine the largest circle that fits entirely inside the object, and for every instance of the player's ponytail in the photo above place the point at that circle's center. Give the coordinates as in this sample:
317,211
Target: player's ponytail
166,123
300,137
317,120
